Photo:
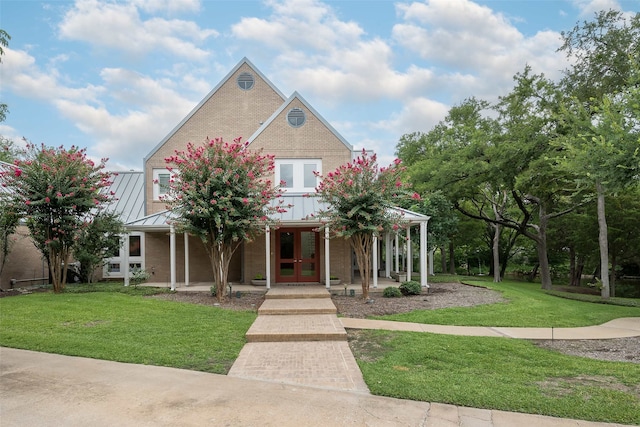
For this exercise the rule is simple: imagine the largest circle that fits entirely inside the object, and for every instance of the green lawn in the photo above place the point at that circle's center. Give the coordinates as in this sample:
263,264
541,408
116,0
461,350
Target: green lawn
120,324
125,328
526,306
497,373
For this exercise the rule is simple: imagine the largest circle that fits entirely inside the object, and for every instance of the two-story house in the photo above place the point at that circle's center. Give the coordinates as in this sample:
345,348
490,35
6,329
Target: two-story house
246,104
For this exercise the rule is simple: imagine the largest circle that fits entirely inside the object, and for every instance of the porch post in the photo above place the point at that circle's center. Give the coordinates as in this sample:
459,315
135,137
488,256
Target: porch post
423,255
267,253
172,255
124,267
186,259
375,261
327,265
387,256
397,242
409,255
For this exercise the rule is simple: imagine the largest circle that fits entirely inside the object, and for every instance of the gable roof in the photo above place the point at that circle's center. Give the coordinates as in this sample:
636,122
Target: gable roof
308,106
242,62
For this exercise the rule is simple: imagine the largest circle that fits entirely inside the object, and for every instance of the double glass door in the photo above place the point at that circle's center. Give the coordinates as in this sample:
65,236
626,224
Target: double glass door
297,255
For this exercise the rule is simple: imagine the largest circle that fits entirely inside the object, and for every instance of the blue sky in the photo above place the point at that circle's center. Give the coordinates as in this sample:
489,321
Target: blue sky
116,77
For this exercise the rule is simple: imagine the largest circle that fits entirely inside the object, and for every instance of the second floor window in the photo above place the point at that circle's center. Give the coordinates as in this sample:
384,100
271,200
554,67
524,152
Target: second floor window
297,175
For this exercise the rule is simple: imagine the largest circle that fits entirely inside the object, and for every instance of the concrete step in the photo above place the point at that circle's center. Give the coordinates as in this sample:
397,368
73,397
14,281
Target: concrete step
297,306
286,328
298,292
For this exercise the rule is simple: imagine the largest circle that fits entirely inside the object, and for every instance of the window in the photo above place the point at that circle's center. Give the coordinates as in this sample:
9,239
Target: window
296,117
161,182
245,81
115,267
298,174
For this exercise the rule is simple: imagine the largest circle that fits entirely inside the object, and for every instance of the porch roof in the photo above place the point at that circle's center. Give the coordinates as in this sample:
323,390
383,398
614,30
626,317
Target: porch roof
302,207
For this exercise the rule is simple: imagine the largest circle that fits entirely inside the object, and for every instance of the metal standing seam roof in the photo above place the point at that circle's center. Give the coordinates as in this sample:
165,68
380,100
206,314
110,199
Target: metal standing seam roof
128,188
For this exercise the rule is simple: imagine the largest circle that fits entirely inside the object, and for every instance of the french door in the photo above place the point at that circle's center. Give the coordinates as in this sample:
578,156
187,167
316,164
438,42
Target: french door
297,257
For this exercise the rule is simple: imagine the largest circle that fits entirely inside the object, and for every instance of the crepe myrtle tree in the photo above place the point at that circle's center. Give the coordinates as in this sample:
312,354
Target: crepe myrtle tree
359,197
55,190
221,192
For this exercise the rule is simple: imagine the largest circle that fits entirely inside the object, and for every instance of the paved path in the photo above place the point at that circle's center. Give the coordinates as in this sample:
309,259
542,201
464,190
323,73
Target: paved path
617,328
41,389
297,339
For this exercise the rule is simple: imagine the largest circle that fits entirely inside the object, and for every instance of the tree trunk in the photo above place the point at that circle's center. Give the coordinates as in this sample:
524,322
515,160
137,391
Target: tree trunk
362,245
603,242
496,253
572,266
452,261
443,259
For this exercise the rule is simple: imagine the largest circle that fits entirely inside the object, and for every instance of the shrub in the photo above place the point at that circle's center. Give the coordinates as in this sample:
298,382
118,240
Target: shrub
410,288
391,292
214,291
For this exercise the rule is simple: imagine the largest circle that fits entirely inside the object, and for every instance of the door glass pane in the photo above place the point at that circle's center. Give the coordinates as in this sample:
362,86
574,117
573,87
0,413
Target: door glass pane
308,244
286,269
308,269
286,175
286,245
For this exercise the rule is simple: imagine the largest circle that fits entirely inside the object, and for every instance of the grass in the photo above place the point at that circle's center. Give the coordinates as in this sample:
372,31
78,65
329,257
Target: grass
120,327
526,306
497,373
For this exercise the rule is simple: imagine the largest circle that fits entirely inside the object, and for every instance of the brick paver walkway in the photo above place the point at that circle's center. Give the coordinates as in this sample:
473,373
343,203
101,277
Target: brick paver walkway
298,339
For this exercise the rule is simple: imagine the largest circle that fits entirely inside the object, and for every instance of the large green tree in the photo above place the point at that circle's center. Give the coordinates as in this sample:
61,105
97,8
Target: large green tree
55,190
221,192
4,42
602,115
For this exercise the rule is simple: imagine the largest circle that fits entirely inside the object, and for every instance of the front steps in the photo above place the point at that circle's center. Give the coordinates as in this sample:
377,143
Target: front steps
297,314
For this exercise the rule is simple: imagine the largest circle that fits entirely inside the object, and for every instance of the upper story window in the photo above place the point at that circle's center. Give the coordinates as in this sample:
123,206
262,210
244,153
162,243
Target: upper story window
245,81
161,182
297,175
296,117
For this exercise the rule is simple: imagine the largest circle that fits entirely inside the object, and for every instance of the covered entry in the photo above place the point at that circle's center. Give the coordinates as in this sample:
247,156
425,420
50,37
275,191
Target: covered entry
297,255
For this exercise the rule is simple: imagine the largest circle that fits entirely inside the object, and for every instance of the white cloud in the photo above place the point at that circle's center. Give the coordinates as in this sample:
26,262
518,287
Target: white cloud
170,6
22,76
119,26
588,8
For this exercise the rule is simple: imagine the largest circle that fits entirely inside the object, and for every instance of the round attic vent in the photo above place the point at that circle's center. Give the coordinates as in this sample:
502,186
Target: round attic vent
245,81
296,117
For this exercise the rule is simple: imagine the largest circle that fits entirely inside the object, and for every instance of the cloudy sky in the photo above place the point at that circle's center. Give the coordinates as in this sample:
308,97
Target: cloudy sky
117,76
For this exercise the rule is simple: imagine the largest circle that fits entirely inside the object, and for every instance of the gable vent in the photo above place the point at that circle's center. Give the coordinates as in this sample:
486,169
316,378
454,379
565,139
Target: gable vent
245,81
296,117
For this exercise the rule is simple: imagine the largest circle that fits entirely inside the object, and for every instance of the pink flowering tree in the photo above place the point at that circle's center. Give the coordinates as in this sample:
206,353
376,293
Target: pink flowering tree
221,192
56,190
360,198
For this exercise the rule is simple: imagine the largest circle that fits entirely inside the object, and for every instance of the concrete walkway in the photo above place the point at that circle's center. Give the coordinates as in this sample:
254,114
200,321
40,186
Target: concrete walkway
617,328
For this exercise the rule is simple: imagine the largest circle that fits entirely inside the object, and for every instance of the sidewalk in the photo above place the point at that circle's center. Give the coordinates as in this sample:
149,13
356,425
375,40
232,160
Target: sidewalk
41,389
617,328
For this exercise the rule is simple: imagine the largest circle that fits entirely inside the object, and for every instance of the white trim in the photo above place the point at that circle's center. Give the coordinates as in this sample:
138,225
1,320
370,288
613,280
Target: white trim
124,258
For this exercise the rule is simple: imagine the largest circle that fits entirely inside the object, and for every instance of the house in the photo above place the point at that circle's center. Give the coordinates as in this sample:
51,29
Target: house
246,104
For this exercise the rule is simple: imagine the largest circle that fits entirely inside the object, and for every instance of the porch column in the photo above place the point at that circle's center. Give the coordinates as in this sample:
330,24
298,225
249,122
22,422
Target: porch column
267,254
186,259
397,242
172,255
423,255
409,255
388,257
375,261
124,266
327,265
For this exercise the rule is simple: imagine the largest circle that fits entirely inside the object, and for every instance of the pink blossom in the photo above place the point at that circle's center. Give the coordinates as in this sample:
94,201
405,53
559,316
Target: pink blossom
47,199
415,196
28,202
18,172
